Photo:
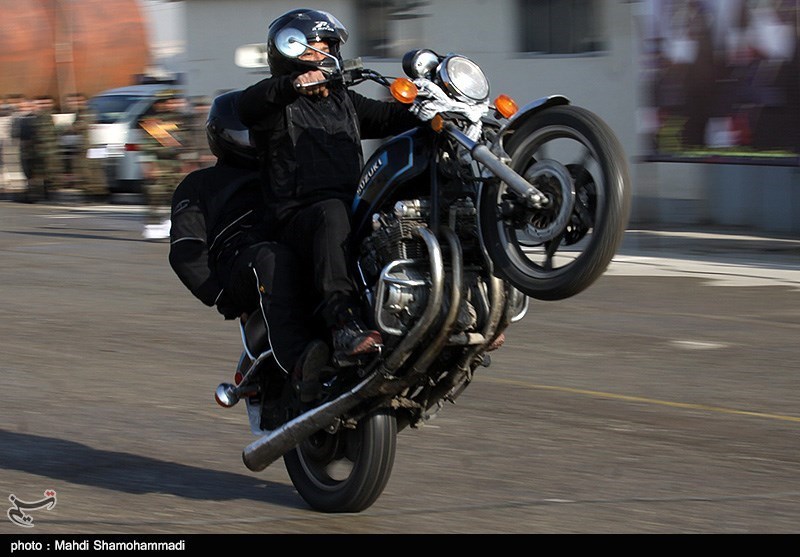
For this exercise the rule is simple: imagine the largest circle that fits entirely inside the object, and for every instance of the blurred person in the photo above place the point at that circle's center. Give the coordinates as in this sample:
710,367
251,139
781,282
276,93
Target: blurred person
8,140
21,108
701,75
5,138
163,152
39,150
774,113
47,143
18,106
198,153
762,65
87,173
309,141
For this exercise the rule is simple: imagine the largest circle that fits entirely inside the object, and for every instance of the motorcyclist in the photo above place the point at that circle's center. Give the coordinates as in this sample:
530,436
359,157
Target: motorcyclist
218,252
309,141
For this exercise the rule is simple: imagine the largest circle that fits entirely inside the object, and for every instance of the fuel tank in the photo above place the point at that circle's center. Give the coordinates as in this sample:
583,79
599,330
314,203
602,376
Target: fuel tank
397,169
55,47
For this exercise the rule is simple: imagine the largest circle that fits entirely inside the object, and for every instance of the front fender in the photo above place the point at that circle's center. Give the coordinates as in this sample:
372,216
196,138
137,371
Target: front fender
523,115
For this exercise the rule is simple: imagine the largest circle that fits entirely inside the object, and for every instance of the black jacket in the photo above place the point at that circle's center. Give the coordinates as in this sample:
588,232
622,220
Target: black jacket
310,146
215,212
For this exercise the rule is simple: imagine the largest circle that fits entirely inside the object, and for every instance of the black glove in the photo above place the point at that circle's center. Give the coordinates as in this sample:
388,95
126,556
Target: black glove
227,307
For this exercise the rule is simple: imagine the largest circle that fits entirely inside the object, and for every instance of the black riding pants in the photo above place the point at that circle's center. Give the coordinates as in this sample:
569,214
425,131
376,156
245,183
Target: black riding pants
319,234
266,279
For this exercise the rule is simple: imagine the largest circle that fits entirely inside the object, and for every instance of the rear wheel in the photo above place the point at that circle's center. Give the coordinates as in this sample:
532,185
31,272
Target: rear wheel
555,252
345,471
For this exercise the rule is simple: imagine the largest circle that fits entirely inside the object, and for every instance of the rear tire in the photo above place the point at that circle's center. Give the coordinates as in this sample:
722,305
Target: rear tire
348,470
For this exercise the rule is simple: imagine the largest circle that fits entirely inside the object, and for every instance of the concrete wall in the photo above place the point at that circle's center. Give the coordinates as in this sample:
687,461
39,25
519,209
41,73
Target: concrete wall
761,198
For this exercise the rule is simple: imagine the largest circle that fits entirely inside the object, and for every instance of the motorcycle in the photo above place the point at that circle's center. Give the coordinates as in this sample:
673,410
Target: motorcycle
458,223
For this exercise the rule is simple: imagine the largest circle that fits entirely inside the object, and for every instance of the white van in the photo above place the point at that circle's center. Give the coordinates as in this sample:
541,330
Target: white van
115,136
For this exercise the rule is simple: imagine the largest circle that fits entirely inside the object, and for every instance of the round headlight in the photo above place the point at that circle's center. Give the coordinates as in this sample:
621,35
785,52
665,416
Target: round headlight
465,79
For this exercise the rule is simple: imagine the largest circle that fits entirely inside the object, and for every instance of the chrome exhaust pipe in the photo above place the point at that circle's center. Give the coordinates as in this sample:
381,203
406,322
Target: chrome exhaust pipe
267,449
398,357
422,363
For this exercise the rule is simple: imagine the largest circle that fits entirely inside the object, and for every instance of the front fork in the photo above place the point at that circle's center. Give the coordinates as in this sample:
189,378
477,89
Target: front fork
534,198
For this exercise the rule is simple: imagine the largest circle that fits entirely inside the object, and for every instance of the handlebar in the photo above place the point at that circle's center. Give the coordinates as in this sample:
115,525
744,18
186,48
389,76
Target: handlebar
352,73
303,86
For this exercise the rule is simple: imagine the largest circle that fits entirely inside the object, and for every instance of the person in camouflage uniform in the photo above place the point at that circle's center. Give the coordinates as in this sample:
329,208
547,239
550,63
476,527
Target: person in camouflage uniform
22,134
163,156
40,151
197,152
88,174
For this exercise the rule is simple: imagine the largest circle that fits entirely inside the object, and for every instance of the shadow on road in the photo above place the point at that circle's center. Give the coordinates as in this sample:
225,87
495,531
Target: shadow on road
80,464
77,235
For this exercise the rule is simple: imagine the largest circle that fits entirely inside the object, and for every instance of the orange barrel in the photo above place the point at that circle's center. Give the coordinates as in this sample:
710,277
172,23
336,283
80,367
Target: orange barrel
27,52
103,42
55,47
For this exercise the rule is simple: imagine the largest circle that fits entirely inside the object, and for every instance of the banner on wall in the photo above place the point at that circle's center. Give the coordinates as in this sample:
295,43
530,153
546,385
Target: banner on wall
721,81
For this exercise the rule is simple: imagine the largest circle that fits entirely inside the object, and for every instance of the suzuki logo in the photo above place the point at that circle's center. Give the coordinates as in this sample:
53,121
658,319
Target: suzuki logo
369,174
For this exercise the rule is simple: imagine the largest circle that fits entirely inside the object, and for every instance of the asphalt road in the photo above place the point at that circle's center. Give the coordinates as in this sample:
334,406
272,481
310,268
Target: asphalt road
664,399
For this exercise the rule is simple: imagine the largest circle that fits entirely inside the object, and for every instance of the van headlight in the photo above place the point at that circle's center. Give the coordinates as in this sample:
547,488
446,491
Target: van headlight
464,79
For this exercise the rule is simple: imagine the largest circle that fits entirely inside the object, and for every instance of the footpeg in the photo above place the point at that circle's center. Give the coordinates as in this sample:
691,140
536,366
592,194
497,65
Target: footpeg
341,360
225,395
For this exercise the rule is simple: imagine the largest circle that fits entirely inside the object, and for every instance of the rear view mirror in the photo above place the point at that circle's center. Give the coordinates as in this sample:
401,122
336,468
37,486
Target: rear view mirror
290,42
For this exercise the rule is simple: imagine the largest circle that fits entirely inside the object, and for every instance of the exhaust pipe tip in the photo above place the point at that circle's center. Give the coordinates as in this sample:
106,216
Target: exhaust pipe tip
253,464
225,395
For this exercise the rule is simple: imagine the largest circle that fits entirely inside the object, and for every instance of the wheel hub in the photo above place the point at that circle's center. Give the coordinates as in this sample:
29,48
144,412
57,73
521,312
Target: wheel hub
540,225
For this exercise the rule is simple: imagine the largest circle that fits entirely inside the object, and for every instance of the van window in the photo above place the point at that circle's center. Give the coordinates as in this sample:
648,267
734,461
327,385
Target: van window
110,108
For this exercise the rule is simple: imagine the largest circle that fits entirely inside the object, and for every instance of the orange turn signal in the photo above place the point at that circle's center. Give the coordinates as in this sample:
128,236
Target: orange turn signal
404,90
506,106
437,123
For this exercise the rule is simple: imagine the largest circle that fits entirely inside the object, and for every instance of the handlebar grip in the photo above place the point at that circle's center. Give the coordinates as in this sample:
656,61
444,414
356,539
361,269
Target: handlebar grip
301,86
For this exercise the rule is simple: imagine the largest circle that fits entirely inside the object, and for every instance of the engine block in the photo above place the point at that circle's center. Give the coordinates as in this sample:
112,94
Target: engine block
397,259
392,236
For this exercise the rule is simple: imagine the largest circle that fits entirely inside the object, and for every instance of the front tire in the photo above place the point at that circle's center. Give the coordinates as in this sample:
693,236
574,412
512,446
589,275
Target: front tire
345,471
560,149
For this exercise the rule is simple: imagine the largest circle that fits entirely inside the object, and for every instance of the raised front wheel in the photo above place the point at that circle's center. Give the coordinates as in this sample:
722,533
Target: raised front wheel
556,251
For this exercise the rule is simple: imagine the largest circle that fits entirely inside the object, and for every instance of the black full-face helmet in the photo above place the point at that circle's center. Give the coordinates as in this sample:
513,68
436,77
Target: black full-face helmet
227,137
315,26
